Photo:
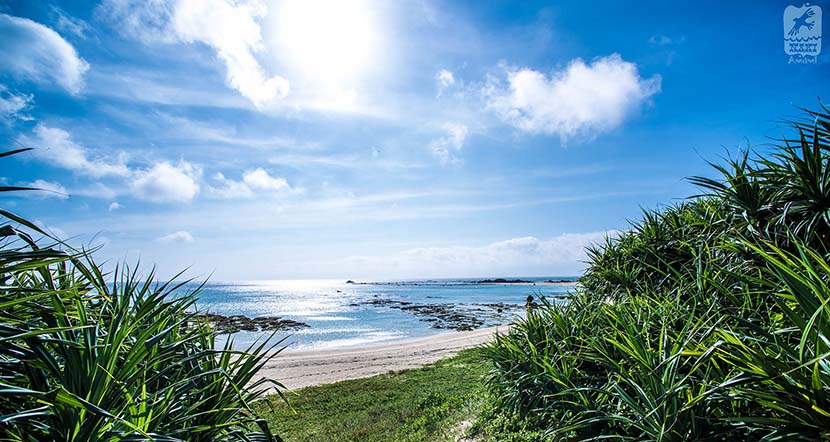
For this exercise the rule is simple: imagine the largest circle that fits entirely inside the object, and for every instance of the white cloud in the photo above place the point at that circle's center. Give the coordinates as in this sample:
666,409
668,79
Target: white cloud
525,256
113,206
13,106
512,252
47,189
260,179
445,80
97,190
180,236
446,147
55,146
230,28
36,53
561,255
582,99
229,189
160,182
165,182
345,161
232,31
146,21
252,180
69,24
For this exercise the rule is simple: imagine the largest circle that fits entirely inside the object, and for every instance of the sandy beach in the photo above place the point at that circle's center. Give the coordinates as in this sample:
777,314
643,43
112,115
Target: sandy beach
303,369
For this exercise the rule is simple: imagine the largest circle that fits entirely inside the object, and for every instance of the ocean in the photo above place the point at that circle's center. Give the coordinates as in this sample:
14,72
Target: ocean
341,314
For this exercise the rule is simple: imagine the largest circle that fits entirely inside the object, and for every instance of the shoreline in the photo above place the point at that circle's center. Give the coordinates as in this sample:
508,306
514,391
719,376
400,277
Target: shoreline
315,367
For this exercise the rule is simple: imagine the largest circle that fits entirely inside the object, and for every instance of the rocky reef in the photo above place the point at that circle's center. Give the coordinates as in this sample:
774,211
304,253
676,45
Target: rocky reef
452,316
234,323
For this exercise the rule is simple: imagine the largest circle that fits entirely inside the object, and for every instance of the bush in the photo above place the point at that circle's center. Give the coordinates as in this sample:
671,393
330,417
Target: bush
88,355
708,320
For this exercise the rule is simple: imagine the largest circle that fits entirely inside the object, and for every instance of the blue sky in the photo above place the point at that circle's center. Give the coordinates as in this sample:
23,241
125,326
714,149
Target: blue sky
359,139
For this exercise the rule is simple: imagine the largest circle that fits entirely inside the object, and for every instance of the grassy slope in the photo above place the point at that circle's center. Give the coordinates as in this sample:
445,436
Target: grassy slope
413,405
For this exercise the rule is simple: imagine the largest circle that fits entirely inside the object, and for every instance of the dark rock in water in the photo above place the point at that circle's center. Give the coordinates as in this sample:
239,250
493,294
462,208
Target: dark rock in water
350,282
452,316
560,281
503,281
235,323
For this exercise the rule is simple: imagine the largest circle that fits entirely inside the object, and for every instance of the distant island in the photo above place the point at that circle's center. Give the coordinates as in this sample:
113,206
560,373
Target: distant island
464,282
524,281
504,281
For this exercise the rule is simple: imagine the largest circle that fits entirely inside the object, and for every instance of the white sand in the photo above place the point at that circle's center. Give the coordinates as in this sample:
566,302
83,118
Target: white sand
302,369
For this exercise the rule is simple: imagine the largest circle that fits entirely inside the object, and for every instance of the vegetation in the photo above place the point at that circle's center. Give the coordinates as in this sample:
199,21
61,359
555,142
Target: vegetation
708,320
425,404
88,355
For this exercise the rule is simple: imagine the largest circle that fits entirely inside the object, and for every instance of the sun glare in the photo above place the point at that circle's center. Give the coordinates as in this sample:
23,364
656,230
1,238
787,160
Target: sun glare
330,42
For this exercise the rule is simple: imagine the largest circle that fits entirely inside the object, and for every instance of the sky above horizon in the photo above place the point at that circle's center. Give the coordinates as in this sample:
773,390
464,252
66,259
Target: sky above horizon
379,140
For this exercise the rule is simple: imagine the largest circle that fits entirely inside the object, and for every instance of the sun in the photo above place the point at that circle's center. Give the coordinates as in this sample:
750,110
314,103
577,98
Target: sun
329,42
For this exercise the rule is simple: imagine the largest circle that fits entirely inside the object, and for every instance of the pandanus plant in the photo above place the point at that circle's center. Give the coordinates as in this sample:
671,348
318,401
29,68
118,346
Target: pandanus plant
708,320
87,354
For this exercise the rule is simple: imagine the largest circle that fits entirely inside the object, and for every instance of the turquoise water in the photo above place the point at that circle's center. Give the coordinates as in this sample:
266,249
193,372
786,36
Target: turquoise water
337,313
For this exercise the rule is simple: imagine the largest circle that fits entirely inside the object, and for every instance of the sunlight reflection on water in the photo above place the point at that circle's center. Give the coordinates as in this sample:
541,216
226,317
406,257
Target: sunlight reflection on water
337,313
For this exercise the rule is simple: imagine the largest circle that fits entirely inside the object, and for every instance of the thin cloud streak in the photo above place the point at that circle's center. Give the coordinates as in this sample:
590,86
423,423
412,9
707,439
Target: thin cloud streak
253,217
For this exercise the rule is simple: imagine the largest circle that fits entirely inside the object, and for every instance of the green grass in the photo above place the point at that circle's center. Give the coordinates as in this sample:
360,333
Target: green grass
422,404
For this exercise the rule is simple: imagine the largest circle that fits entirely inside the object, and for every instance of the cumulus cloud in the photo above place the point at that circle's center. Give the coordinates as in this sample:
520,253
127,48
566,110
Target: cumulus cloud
159,182
13,106
233,32
560,255
229,189
113,206
447,146
165,182
230,28
55,146
180,236
34,52
445,80
516,251
252,181
261,180
581,99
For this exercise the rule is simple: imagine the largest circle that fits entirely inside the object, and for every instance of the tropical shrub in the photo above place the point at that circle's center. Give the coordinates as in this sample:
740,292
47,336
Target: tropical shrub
89,355
707,320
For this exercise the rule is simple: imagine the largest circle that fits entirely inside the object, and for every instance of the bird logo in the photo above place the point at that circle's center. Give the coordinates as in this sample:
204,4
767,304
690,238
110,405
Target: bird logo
800,22
802,33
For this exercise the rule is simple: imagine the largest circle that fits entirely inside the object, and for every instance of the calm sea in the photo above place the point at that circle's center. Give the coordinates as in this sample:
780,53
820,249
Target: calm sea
347,315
